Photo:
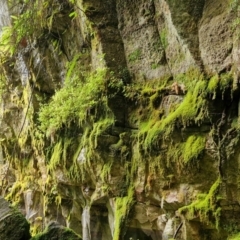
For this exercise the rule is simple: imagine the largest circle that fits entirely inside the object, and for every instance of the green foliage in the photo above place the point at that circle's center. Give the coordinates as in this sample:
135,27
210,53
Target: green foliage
193,147
79,101
135,55
234,5
36,19
206,206
56,156
2,80
163,37
123,206
234,237
232,228
60,233
191,109
23,26
213,85
154,65
226,81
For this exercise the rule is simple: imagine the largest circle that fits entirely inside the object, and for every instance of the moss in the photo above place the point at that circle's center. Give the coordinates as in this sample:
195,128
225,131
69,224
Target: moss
234,237
56,156
155,65
163,38
84,100
15,194
205,207
155,99
15,226
135,55
193,147
174,153
122,209
36,226
106,171
191,110
99,128
59,232
226,82
213,85
58,200
26,180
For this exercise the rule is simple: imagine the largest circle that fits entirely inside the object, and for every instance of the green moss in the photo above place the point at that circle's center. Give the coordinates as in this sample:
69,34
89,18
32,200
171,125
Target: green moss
234,237
205,207
86,108
60,233
213,85
135,55
83,101
163,38
155,65
174,153
226,82
158,119
35,18
56,156
15,194
106,171
99,128
193,147
156,98
25,181
122,208
191,109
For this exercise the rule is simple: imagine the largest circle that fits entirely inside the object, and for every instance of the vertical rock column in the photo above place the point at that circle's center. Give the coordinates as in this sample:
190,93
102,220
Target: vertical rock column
86,223
107,47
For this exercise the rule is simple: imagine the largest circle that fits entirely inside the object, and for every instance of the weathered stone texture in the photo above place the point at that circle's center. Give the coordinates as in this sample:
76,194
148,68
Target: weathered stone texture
140,42
13,225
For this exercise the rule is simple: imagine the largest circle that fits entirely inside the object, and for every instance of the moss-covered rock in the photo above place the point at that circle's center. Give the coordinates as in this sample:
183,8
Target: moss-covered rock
13,225
56,232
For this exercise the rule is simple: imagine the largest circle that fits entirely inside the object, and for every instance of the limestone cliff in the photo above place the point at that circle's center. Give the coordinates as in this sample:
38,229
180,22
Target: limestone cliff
120,119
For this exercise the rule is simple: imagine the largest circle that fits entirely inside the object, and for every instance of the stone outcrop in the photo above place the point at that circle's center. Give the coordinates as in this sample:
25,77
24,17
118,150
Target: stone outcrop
120,119
13,225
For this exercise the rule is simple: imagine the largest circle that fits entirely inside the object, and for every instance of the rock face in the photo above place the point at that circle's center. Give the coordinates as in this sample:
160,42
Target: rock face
120,119
13,225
